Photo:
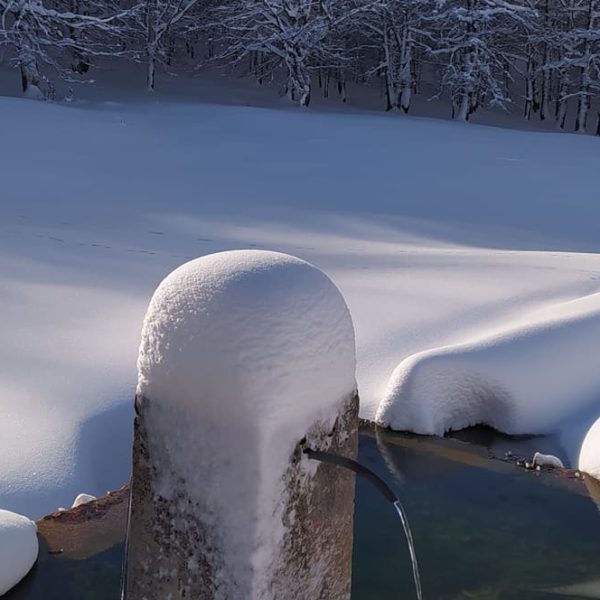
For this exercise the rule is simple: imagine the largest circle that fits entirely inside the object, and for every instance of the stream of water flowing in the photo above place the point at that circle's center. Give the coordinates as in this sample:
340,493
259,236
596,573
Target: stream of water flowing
411,548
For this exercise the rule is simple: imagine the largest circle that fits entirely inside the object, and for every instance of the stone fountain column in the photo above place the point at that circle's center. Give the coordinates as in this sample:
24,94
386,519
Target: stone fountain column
246,359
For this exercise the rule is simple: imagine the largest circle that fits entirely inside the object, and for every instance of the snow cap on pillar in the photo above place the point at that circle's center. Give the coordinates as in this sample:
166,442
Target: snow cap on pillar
243,355
254,331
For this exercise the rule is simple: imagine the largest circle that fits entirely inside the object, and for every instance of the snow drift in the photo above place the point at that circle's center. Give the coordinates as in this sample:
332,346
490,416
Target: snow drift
82,499
525,379
18,548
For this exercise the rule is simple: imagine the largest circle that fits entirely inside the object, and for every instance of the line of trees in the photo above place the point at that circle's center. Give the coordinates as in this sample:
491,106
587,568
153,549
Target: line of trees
541,57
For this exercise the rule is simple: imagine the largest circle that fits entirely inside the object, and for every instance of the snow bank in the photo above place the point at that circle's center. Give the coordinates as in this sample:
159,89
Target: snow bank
547,460
522,380
82,499
18,548
589,457
241,353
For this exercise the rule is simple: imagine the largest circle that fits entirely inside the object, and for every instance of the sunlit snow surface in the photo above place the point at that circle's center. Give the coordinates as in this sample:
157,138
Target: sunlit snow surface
443,238
525,378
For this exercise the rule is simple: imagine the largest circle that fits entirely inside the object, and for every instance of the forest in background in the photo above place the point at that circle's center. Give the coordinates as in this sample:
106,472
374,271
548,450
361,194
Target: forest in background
539,58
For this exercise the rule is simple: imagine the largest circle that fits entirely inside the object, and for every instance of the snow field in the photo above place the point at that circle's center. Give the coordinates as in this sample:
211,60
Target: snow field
438,236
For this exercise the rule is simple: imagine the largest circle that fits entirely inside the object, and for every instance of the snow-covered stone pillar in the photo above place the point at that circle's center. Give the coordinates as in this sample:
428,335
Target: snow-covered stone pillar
247,357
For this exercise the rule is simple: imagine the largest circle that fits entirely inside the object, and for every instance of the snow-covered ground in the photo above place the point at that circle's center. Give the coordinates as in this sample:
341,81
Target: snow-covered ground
438,234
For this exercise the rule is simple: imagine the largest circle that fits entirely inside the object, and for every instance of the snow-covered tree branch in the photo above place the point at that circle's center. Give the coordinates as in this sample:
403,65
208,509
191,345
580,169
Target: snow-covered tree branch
542,56
39,34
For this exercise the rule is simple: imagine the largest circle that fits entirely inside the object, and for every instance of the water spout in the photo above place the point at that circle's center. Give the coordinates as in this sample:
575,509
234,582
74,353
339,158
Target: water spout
386,491
411,548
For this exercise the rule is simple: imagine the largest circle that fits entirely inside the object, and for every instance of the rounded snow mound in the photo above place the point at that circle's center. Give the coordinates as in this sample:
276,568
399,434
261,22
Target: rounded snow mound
437,391
82,499
526,378
589,457
253,334
18,548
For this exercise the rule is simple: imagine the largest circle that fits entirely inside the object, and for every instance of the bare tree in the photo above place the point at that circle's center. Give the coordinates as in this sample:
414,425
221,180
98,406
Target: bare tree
295,36
473,42
41,35
395,29
157,24
579,62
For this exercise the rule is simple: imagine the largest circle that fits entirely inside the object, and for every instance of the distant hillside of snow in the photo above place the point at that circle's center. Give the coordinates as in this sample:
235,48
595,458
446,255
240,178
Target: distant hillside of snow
438,234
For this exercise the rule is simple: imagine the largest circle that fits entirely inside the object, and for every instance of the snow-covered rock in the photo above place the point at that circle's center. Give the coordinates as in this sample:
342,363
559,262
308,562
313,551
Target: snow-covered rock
82,499
524,379
243,354
589,456
547,460
18,548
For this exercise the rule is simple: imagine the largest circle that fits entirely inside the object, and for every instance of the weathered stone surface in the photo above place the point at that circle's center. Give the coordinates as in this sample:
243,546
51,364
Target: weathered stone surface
319,517
167,547
172,554
593,487
88,529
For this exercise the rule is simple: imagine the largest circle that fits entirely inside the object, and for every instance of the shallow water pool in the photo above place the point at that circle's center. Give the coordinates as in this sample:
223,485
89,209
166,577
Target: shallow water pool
483,528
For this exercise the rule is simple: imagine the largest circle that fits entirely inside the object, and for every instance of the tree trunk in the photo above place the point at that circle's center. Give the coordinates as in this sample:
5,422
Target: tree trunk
341,85
30,77
561,115
473,103
529,86
79,63
545,104
151,74
151,48
406,69
462,114
405,99
305,96
299,84
585,76
582,109
561,104
468,99
545,91
391,93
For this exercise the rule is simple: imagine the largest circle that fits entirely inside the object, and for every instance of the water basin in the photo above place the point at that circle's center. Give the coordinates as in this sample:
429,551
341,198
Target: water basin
483,528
